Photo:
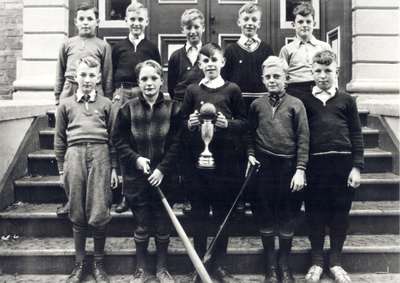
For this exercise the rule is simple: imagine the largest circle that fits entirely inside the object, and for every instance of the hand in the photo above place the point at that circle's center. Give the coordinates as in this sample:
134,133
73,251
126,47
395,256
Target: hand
298,181
252,161
221,121
354,178
143,164
114,179
156,178
194,120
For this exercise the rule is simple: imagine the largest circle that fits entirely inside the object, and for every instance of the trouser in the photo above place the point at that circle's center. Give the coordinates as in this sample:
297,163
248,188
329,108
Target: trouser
328,202
87,182
300,90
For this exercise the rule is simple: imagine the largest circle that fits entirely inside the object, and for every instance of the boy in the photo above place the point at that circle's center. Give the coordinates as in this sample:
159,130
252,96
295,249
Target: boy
298,54
215,187
86,164
147,136
336,158
279,139
126,54
84,44
183,68
245,57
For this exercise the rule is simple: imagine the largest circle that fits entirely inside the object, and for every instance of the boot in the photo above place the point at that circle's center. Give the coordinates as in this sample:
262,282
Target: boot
122,206
99,273
77,274
285,246
271,274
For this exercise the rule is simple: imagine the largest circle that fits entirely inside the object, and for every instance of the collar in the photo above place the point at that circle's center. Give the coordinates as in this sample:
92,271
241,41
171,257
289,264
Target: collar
198,46
79,95
280,95
160,99
331,92
215,83
136,41
312,41
243,39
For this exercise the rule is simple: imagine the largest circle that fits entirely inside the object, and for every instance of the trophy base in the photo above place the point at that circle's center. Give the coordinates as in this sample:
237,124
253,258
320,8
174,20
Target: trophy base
206,162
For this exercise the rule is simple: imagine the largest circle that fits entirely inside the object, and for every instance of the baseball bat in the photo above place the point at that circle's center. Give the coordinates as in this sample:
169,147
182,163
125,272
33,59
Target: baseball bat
198,264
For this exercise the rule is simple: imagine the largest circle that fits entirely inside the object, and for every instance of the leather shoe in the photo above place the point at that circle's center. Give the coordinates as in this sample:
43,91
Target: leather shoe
271,276
122,206
224,276
77,273
287,276
63,211
99,273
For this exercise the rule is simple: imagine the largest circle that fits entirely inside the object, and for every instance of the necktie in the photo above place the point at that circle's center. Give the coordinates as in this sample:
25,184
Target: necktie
249,43
274,99
86,97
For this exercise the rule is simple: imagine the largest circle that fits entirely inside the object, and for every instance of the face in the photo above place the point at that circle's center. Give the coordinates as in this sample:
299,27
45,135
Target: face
87,77
211,66
249,23
86,22
274,79
304,26
193,31
325,76
137,21
149,81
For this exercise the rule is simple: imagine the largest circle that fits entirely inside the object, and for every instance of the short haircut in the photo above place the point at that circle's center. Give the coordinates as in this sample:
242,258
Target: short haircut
87,6
304,9
274,61
189,15
325,57
90,61
135,7
209,49
249,8
151,63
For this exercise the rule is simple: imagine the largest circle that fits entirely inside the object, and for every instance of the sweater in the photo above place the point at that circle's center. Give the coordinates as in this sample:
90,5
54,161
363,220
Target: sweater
125,59
181,73
282,132
77,124
140,131
225,144
245,68
77,47
335,128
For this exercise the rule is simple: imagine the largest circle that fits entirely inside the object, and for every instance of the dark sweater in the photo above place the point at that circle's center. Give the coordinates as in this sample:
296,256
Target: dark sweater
225,143
142,132
282,133
75,124
125,59
244,68
336,127
181,73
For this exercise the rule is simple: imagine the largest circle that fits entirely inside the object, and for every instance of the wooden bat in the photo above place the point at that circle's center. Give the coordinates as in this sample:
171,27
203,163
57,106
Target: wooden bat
198,264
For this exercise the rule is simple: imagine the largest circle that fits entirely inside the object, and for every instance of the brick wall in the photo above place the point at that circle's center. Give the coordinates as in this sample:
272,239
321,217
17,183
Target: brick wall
10,42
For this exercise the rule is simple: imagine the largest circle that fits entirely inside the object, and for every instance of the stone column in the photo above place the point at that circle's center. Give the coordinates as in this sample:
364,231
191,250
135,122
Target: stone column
45,26
375,55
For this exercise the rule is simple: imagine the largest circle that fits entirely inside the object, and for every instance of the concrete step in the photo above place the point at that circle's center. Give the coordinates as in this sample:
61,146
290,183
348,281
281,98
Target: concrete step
47,189
371,138
40,220
252,278
372,253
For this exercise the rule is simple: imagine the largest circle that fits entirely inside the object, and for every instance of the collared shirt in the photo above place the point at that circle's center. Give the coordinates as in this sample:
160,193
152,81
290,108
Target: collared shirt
192,52
249,44
324,95
79,96
136,41
215,83
298,55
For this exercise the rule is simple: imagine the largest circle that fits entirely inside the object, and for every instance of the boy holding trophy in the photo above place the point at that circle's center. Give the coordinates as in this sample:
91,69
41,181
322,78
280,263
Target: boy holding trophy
215,116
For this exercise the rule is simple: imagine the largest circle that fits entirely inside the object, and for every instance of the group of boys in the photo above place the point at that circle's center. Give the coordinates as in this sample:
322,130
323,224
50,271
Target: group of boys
302,131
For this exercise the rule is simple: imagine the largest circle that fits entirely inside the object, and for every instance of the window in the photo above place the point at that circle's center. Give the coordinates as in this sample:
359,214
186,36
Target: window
286,12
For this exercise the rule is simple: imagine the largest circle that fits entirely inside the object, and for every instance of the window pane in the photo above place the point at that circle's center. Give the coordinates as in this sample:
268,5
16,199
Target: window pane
290,5
115,9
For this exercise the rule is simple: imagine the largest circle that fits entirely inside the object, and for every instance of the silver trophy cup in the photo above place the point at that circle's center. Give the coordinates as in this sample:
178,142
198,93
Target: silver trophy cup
208,113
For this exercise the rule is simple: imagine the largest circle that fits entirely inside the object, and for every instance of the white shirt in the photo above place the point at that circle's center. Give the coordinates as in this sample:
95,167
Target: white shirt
135,41
253,46
215,83
192,52
79,95
324,95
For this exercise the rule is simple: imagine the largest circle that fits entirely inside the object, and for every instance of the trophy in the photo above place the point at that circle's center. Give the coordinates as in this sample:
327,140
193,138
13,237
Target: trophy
208,113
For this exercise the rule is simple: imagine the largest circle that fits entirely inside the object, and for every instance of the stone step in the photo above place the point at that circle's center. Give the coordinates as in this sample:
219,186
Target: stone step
371,138
40,220
47,189
372,253
43,162
251,278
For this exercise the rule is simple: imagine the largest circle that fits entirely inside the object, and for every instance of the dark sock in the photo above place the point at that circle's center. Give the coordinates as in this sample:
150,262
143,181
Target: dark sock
162,254
337,242
79,233
99,239
269,251
141,254
285,246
